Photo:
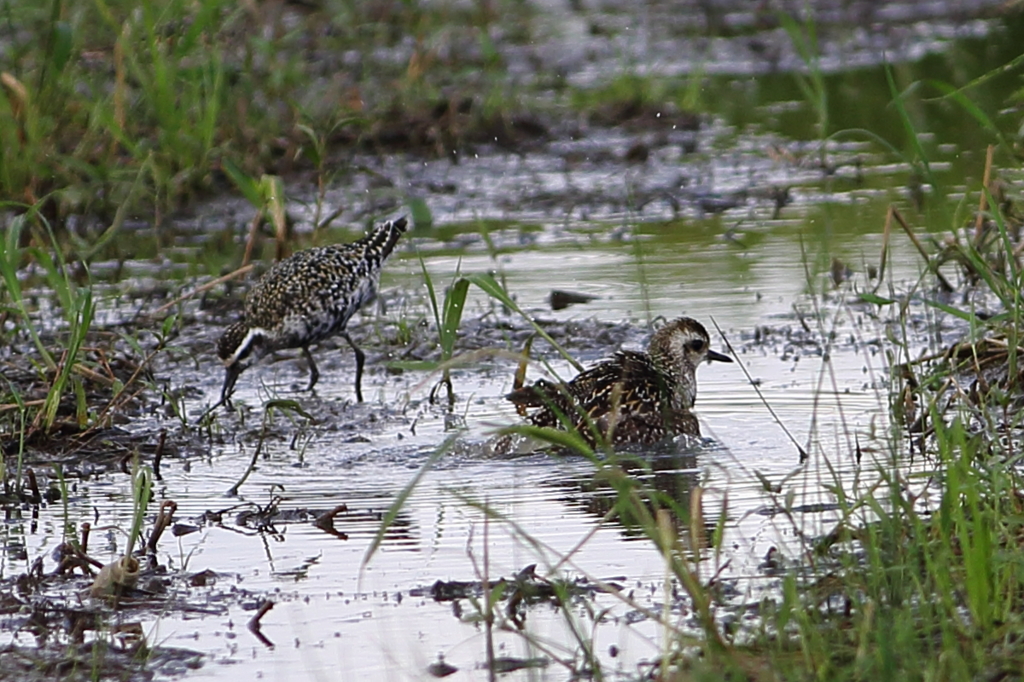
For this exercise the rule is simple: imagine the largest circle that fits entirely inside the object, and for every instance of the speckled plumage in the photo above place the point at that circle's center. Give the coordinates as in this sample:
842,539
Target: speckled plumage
637,398
305,299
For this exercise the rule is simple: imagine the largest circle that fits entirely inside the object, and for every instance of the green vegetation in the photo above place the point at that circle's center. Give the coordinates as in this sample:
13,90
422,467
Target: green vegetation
78,308
447,319
93,94
629,96
812,84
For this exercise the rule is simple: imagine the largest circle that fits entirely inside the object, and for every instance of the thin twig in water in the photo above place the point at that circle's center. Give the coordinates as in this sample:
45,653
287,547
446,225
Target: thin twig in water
159,454
753,384
206,287
163,520
233,491
7,407
120,399
268,411
488,603
325,521
330,219
254,624
250,242
33,486
920,248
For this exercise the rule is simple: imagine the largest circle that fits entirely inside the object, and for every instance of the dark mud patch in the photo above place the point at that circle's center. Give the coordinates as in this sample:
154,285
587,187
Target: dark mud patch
108,384
77,635
97,660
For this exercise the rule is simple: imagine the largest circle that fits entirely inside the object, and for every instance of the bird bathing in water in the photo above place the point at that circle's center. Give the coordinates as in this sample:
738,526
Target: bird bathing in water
633,398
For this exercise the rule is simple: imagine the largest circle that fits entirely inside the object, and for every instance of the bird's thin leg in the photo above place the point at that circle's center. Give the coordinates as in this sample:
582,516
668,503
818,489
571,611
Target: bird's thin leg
360,359
314,373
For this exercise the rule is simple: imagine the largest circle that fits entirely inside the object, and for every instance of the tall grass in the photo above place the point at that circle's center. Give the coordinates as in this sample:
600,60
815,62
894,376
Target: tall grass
11,255
919,578
76,304
102,88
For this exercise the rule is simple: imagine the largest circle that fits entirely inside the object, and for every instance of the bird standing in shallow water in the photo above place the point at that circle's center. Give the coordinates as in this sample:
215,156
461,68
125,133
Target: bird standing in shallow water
635,397
305,299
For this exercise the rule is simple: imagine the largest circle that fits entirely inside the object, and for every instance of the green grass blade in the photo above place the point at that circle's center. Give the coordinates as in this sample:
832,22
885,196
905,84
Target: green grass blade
875,299
431,293
274,199
403,496
10,259
61,40
965,315
490,286
288,405
81,317
974,110
142,488
415,365
454,304
568,439
422,218
998,71
249,187
212,101
89,251
920,158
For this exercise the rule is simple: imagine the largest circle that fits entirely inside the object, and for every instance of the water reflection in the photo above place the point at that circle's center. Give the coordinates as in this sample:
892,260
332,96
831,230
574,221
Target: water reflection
661,478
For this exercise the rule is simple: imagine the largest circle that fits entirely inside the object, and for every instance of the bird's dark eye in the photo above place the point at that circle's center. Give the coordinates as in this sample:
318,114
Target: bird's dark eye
697,345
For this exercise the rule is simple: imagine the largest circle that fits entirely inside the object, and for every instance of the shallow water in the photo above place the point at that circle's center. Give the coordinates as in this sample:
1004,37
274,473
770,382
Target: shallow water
381,621
687,233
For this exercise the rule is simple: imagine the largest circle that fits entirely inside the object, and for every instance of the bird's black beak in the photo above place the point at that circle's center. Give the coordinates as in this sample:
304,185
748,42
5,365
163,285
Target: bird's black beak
230,377
715,355
225,392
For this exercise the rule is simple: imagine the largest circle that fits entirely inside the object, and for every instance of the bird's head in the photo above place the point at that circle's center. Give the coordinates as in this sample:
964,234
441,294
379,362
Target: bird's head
679,347
238,347
683,343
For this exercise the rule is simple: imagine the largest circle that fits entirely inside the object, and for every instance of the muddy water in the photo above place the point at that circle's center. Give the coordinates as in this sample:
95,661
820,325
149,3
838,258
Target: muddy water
690,231
381,621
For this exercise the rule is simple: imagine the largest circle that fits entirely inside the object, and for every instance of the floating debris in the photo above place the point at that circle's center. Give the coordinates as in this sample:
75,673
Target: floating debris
115,578
441,669
560,300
